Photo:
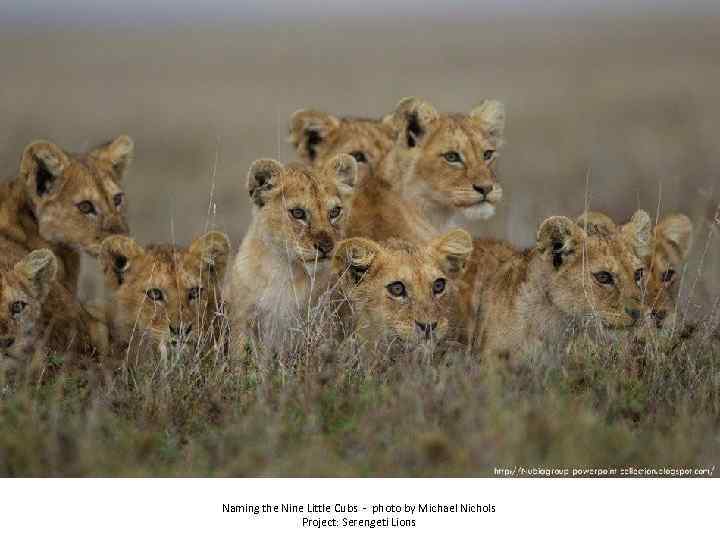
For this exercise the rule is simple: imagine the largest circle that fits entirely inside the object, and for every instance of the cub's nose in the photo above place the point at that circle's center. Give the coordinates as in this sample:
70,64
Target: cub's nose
634,313
659,315
426,330
483,189
178,331
6,343
325,246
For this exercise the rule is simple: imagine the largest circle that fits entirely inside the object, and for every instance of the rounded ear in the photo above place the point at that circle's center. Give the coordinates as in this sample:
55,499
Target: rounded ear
638,231
262,176
355,256
596,224
677,230
117,254
213,249
308,130
42,165
558,238
118,153
491,113
412,118
454,249
39,269
343,168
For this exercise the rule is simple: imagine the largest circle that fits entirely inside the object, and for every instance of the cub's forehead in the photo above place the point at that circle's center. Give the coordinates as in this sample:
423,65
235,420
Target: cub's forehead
409,264
168,263
613,251
299,182
91,177
458,128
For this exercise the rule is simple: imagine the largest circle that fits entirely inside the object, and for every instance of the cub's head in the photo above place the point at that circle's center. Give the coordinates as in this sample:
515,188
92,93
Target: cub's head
449,160
402,293
299,212
78,200
165,294
318,137
23,290
596,273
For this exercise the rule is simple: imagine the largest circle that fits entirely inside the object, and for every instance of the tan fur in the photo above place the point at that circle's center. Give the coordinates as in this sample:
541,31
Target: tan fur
41,207
318,137
537,294
282,265
188,281
420,316
39,316
417,191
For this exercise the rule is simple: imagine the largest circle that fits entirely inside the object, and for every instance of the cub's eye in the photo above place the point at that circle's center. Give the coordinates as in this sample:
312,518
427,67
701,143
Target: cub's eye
604,278
86,207
667,275
452,157
194,293
17,307
335,212
360,157
439,285
396,288
156,295
488,154
297,213
118,199
639,275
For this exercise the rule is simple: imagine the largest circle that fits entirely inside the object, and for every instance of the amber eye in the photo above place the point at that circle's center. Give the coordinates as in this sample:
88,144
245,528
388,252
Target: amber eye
360,157
335,212
604,278
298,213
488,154
17,307
194,293
397,288
118,199
452,157
639,275
155,295
86,207
667,275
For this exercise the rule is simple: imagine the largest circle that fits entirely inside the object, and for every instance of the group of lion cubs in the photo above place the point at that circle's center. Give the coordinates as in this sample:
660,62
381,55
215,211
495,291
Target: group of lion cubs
367,226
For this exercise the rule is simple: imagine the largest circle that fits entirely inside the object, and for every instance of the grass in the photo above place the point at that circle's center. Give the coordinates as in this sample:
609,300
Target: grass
656,404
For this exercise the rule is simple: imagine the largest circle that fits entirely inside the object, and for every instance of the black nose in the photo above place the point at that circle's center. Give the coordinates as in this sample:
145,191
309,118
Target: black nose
6,343
325,246
483,189
634,313
426,329
659,315
177,330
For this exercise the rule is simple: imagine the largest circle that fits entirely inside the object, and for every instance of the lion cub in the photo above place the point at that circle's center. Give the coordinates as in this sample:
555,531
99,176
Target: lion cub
65,202
164,296
318,137
441,173
401,295
38,315
299,215
568,278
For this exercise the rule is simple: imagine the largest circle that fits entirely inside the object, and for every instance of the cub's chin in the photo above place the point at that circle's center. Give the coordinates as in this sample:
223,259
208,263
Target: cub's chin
481,211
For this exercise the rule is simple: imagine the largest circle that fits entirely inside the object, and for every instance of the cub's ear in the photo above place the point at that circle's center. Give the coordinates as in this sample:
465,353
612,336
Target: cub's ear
454,249
213,249
491,113
42,165
262,177
677,231
354,257
309,130
638,231
344,169
118,153
117,255
411,119
558,238
39,269
596,224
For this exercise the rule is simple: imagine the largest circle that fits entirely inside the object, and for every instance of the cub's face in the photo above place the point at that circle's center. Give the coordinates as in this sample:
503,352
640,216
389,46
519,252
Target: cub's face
449,161
301,213
595,276
318,137
77,199
403,294
23,290
164,294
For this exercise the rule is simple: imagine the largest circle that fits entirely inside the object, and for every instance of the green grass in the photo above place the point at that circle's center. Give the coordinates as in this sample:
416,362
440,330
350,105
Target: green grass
652,405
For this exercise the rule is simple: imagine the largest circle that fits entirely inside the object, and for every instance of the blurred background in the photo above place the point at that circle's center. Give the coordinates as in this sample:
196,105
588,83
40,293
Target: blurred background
613,102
